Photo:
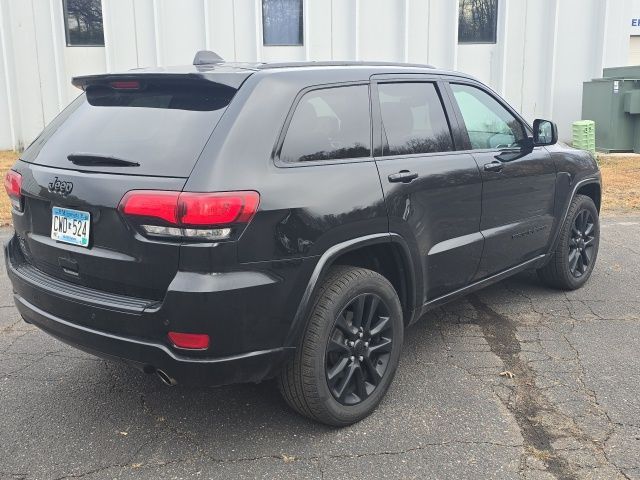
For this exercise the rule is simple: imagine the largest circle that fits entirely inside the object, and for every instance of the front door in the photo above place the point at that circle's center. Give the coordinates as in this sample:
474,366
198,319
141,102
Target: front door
518,183
432,192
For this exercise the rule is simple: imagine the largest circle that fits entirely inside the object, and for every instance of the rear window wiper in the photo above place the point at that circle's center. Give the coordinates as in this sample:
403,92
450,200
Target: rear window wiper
100,161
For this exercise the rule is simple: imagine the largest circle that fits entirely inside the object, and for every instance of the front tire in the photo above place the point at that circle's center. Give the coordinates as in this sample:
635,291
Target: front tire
350,350
574,257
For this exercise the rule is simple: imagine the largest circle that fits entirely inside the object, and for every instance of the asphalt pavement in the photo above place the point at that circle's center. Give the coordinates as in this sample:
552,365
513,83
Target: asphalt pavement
516,381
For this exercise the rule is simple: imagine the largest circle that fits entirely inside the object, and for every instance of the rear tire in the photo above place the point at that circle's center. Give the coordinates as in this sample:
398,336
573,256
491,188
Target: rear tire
574,256
349,351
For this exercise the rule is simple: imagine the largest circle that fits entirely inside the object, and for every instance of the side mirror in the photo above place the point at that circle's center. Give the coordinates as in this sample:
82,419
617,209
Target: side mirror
545,133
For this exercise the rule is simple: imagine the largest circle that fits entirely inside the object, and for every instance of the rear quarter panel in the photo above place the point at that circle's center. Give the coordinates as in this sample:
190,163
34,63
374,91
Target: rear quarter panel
304,209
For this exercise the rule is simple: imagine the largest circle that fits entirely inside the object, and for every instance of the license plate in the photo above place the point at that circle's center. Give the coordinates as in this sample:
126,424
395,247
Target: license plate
70,226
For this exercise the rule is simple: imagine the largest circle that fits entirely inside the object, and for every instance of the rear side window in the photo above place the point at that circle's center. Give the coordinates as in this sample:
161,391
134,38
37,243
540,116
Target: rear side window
489,124
329,124
162,126
413,119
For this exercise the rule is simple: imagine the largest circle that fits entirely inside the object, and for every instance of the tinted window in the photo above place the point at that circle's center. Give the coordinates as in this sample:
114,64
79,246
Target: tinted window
477,21
413,119
329,124
489,124
282,22
163,127
83,22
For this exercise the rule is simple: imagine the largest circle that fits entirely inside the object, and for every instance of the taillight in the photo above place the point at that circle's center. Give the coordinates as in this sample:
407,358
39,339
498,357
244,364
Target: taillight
13,186
217,208
207,216
152,204
189,341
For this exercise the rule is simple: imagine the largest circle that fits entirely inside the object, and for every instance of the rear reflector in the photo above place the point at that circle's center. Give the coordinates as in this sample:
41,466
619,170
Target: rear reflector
188,214
190,341
13,186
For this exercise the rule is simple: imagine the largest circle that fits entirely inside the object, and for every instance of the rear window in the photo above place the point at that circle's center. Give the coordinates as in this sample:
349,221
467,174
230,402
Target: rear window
329,124
161,127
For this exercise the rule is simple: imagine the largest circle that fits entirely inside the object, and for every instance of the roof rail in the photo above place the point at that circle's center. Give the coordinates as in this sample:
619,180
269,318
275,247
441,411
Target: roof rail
207,57
340,63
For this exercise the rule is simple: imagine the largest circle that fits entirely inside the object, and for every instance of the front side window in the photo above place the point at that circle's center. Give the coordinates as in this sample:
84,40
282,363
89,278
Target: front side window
413,119
477,21
83,22
329,124
489,124
282,22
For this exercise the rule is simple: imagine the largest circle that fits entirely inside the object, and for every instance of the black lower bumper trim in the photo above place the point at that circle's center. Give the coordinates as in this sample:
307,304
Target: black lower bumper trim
247,367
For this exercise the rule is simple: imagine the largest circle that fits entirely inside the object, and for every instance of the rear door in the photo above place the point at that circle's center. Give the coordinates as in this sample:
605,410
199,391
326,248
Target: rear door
518,183
144,134
432,192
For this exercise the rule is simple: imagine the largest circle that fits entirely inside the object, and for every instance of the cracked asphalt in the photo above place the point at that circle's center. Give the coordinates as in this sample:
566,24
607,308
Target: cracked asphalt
571,410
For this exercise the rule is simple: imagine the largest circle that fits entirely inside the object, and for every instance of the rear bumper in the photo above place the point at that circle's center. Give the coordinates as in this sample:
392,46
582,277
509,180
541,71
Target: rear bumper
147,356
80,322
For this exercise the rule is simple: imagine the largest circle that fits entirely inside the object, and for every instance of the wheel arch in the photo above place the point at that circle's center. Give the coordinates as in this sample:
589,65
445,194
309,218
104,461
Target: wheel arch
589,186
592,190
389,260
385,253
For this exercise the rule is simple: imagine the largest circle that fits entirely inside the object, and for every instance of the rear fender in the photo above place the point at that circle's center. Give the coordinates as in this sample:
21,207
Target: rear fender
326,261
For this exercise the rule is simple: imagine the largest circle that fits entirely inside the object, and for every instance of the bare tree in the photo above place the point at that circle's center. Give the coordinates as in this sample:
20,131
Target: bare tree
85,26
477,20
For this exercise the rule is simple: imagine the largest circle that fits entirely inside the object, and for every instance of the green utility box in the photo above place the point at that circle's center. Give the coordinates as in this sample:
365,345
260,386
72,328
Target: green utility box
613,103
584,135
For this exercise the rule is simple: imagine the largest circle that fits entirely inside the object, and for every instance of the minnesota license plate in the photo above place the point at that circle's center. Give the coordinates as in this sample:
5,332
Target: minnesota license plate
70,226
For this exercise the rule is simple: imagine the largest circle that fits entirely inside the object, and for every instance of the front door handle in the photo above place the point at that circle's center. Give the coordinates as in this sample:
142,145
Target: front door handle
493,166
403,176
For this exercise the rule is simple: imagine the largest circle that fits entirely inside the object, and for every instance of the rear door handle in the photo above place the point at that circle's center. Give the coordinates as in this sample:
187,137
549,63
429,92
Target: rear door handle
403,176
493,166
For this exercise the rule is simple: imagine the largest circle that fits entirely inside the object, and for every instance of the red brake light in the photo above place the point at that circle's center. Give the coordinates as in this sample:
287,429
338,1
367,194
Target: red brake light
125,85
217,208
191,341
13,186
151,203
206,216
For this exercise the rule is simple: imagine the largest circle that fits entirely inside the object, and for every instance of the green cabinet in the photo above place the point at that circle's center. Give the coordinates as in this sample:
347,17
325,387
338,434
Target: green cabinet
613,103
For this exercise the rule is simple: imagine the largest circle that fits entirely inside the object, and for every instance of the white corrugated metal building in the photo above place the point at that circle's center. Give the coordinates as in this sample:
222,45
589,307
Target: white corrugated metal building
536,53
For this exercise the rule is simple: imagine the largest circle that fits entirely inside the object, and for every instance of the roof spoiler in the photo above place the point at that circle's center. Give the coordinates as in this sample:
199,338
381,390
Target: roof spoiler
232,80
207,57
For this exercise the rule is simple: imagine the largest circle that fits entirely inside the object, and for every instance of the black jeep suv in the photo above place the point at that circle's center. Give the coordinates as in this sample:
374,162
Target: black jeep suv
225,223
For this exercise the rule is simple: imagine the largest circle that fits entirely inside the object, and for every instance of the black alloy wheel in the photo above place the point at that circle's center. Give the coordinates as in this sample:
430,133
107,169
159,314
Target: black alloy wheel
574,255
350,350
358,349
581,243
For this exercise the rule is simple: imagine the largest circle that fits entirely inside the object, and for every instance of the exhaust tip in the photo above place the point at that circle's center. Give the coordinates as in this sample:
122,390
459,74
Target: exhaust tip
166,379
